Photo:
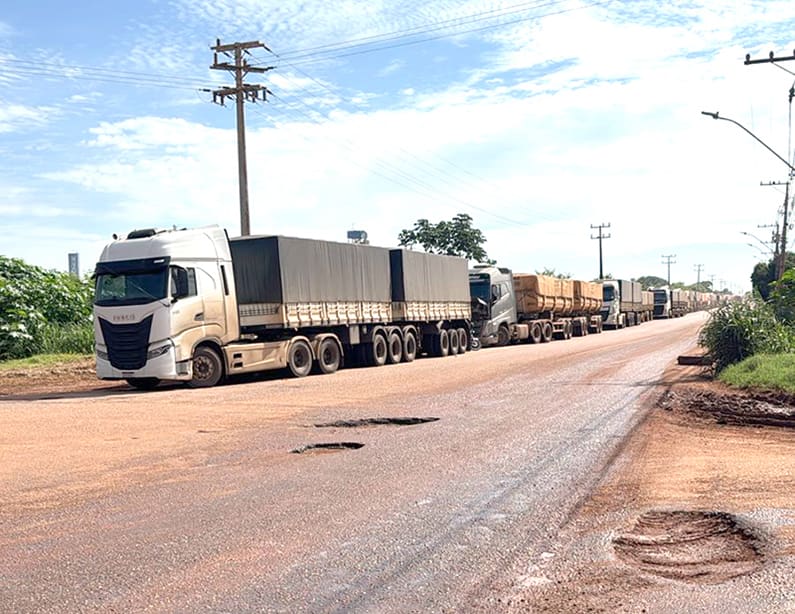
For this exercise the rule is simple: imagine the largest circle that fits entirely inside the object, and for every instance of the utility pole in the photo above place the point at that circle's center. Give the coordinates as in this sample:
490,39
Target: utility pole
600,236
698,268
781,262
241,92
669,260
780,254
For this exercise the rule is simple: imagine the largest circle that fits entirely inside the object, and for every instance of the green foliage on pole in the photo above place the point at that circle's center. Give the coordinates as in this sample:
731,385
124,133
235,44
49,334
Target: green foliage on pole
456,237
39,309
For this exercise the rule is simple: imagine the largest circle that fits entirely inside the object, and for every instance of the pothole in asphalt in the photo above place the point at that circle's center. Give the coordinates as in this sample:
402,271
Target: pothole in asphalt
327,447
759,409
692,546
375,421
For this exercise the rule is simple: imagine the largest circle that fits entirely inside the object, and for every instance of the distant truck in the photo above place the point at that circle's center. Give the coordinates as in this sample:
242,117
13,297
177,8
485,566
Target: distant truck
509,307
662,303
194,306
625,303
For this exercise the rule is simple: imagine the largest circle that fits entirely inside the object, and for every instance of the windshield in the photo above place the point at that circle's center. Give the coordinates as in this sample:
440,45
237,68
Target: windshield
660,297
608,293
130,283
480,289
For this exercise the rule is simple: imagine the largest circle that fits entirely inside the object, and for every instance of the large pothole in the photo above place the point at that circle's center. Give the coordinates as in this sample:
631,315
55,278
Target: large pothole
336,446
693,546
406,421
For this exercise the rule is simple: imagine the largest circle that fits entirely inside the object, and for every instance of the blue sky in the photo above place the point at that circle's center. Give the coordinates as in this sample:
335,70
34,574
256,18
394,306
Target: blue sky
538,119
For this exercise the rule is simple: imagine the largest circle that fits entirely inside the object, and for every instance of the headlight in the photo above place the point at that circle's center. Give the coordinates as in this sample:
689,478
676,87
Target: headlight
158,352
102,355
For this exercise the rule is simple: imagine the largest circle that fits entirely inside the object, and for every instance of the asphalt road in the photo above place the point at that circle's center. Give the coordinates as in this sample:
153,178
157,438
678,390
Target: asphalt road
192,500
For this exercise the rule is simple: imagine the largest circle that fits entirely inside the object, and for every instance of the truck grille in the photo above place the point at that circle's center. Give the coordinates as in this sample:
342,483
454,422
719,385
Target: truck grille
127,343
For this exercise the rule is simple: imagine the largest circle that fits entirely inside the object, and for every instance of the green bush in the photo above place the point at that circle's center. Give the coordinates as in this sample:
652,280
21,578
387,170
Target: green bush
738,330
75,338
33,301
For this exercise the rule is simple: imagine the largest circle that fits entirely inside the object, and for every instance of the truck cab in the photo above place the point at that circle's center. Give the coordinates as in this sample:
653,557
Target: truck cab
493,304
611,304
662,303
158,296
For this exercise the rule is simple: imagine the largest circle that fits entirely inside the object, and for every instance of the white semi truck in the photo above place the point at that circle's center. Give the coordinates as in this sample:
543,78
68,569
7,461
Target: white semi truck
195,306
625,303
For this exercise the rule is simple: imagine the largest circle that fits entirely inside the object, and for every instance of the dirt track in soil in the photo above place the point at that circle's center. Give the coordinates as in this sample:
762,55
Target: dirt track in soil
701,496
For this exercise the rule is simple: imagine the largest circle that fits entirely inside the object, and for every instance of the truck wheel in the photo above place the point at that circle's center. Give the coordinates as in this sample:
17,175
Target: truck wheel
503,337
377,351
442,343
143,383
395,350
299,358
207,368
329,356
546,332
535,332
409,347
463,342
452,336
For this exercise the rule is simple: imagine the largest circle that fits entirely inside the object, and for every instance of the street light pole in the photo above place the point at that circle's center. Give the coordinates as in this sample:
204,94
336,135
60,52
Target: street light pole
781,264
760,141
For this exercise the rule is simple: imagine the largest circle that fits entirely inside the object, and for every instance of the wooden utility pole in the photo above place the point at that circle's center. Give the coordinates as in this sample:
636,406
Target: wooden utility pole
600,236
241,92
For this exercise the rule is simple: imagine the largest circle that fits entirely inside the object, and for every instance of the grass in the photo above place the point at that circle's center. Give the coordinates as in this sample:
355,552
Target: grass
42,360
764,371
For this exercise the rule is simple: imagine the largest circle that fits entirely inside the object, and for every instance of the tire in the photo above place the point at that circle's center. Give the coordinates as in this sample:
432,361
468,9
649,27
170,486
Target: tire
409,346
568,330
299,358
452,337
546,332
503,336
329,356
143,383
463,340
536,334
207,368
442,341
377,351
395,349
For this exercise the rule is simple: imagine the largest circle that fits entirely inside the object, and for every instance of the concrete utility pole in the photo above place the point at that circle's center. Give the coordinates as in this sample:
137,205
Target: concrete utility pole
600,236
698,268
669,260
781,262
241,92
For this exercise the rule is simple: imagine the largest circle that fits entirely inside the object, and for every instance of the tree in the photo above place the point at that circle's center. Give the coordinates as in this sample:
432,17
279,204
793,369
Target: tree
552,273
454,238
650,281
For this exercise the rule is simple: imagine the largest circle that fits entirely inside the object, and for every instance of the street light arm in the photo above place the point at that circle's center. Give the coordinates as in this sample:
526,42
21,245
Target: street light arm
760,141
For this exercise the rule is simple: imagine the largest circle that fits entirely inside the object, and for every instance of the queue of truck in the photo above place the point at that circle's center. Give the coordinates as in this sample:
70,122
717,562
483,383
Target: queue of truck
193,305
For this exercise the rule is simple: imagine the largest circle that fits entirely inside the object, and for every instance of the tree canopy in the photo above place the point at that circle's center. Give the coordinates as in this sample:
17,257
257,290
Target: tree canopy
456,237
763,276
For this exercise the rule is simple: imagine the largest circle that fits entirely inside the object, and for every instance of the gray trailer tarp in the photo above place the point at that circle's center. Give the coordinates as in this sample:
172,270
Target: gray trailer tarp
278,269
418,276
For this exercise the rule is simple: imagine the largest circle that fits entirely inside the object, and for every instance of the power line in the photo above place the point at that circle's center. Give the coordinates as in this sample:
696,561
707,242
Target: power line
359,49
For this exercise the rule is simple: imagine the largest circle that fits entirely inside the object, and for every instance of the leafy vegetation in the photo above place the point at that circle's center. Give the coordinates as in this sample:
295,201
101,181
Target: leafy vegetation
764,371
42,311
763,278
737,330
454,238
